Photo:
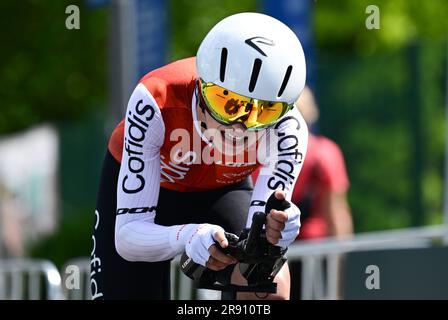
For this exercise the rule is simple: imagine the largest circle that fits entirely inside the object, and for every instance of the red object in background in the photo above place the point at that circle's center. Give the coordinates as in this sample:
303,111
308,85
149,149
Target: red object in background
323,171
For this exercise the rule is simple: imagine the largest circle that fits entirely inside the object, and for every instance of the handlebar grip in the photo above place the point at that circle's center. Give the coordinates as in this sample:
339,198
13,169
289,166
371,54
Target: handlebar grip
274,203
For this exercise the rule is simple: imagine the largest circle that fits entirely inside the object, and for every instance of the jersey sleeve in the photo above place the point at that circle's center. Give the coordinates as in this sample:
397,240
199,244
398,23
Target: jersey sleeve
282,153
137,237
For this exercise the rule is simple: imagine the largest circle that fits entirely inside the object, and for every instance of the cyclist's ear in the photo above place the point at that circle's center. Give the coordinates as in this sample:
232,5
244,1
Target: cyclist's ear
220,237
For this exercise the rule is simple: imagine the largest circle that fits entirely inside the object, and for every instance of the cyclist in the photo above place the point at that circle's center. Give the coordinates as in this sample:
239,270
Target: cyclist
177,171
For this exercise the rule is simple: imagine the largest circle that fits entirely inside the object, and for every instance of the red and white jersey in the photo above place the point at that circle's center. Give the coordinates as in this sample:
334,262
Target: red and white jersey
162,111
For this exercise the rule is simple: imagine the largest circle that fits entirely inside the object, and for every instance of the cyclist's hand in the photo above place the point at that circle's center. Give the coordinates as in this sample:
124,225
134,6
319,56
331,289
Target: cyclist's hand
201,248
282,227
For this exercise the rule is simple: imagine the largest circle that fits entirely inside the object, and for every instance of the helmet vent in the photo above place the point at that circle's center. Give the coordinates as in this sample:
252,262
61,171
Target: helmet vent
285,81
255,72
222,70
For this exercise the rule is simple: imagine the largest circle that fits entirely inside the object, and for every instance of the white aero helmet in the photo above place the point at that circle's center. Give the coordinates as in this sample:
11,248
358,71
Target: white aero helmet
253,55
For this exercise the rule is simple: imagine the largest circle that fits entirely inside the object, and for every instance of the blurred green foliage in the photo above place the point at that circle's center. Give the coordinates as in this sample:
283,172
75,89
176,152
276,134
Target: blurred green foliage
382,95
371,119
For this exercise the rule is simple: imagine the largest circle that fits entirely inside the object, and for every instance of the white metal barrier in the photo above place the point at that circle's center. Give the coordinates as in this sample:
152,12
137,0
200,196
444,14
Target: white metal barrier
26,279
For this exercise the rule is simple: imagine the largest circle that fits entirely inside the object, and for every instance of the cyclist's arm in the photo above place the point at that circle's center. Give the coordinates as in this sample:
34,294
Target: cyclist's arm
137,237
286,143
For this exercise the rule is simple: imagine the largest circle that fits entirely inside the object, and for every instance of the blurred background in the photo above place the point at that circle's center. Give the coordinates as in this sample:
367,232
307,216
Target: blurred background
380,82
